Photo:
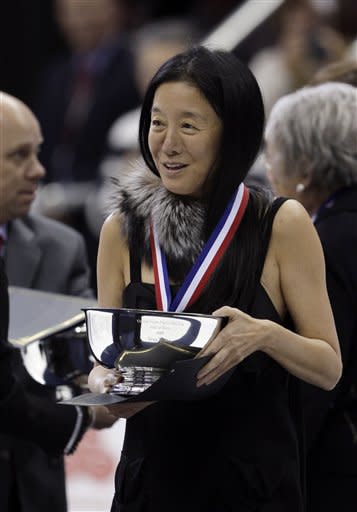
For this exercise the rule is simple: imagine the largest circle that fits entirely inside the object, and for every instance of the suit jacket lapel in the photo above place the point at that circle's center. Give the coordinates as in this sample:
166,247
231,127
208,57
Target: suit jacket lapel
23,254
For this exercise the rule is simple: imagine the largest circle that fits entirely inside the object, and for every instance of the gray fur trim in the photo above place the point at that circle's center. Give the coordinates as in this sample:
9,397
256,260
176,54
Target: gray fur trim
178,219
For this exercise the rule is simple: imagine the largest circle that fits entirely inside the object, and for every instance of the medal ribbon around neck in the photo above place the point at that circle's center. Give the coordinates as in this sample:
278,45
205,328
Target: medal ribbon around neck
206,262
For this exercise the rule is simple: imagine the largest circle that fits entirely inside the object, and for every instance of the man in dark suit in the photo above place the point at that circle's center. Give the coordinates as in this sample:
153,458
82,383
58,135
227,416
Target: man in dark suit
46,255
42,254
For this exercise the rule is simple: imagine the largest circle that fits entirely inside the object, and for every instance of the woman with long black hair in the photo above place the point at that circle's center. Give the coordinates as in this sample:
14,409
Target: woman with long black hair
200,131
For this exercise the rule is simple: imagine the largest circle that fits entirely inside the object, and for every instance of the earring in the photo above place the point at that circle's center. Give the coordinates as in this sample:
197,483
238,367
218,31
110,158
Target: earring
300,187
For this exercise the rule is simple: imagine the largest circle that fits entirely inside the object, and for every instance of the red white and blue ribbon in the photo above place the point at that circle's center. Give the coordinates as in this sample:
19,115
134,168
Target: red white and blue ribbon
206,261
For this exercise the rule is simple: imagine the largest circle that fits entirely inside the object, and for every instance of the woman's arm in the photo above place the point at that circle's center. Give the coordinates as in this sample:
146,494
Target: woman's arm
113,259
112,255
312,353
111,282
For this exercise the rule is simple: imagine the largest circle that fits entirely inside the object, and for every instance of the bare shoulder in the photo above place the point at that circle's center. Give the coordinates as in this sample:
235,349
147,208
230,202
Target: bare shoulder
293,226
112,232
290,216
112,262
112,225
287,227
294,238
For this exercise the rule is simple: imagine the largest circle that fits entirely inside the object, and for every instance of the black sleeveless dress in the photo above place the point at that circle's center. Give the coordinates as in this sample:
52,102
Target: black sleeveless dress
237,451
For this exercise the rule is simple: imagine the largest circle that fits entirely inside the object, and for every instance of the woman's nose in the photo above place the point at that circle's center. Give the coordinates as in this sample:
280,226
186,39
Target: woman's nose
171,144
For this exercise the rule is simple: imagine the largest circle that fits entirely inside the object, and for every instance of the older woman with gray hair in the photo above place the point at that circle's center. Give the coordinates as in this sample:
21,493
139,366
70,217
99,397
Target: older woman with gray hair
311,155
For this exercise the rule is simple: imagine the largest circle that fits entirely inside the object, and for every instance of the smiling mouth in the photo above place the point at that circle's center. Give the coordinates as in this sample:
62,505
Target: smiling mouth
174,167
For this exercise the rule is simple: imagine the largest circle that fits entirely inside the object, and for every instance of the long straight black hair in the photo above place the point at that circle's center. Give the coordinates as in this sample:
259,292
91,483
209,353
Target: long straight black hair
232,91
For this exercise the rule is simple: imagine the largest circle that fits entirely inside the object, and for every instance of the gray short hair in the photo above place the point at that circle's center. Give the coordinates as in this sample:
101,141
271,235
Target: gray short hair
315,131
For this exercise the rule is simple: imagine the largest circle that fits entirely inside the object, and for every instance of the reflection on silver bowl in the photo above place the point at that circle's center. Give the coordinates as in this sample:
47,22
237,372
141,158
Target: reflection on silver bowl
135,336
128,339
59,359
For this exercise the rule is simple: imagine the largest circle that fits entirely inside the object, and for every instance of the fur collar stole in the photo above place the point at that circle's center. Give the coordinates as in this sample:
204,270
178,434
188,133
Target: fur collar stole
139,196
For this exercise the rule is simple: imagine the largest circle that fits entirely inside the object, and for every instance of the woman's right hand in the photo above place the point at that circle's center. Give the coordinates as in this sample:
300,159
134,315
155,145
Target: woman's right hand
101,380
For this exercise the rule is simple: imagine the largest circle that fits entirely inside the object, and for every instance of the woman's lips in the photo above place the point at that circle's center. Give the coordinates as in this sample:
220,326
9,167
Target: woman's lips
174,167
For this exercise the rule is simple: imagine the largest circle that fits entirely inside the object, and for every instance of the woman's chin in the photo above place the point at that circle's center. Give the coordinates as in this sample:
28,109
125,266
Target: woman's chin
180,189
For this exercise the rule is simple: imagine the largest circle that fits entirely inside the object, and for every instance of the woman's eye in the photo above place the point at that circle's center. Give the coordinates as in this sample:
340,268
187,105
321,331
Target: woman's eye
188,126
156,122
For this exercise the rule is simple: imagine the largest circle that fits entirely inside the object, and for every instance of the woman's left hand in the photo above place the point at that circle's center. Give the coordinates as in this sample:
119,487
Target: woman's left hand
242,336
